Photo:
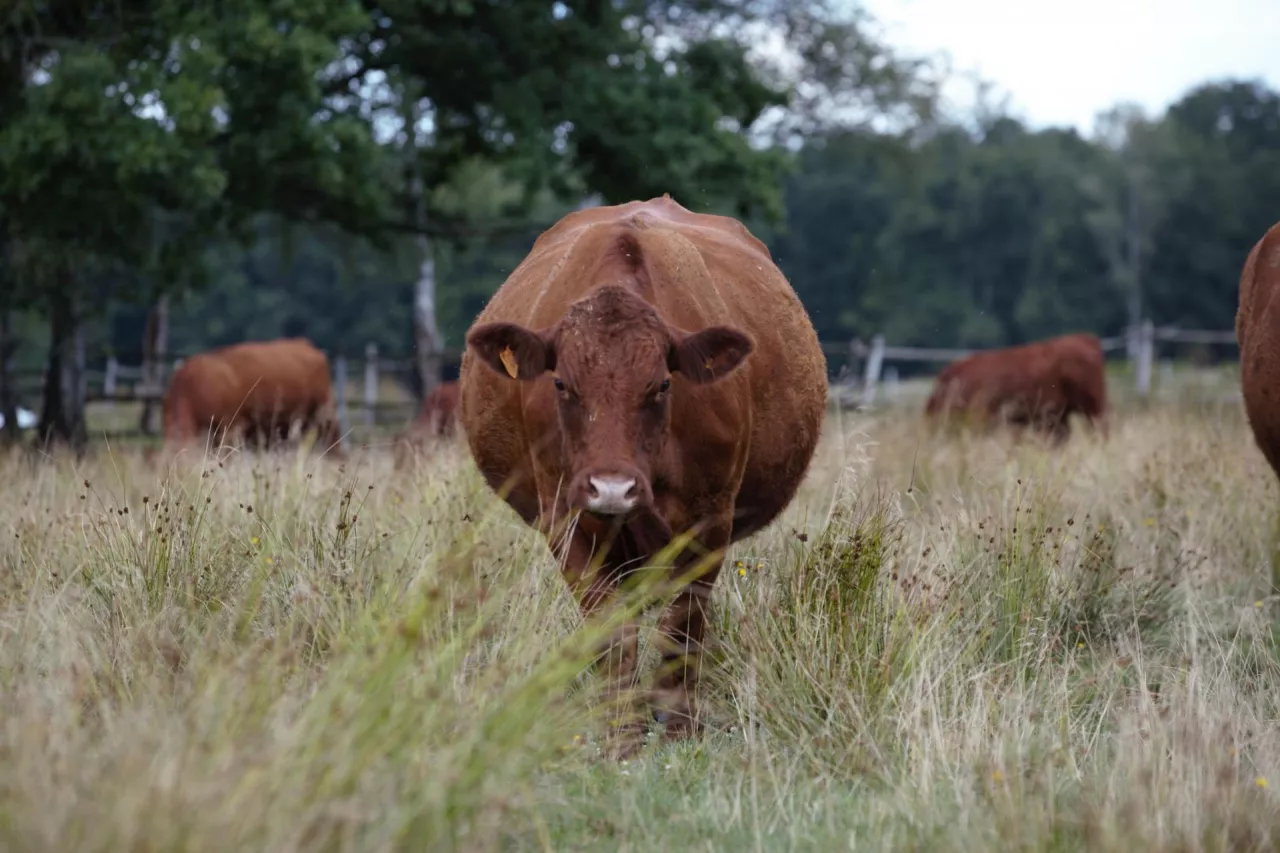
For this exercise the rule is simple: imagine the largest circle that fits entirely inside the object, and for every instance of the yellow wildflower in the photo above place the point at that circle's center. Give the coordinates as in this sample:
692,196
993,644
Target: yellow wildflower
1261,781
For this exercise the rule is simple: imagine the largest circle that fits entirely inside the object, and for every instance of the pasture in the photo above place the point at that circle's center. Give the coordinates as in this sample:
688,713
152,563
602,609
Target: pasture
945,644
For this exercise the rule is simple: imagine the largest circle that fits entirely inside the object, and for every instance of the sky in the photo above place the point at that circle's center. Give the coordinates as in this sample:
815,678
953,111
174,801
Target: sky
1061,63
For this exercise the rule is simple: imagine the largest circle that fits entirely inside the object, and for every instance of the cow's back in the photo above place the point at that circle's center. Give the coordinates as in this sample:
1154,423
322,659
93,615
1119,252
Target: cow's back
1258,335
288,375
699,270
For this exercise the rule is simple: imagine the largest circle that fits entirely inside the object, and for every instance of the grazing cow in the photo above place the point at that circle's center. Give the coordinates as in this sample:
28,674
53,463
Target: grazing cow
256,391
436,419
1038,385
645,371
439,413
1258,335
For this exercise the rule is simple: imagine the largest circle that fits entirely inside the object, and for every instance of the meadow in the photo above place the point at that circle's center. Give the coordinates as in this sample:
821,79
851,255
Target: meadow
948,643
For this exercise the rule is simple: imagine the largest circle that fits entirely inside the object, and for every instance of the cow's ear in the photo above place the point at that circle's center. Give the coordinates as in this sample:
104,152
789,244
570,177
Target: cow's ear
513,350
710,354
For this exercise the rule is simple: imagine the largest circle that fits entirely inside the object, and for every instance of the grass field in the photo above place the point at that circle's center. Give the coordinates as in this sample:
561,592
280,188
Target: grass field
947,644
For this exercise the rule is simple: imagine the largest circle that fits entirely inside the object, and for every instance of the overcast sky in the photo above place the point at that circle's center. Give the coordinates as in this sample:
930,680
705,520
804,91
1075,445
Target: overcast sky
1062,62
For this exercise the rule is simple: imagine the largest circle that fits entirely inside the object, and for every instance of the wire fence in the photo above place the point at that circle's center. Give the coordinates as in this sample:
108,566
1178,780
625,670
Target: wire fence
373,392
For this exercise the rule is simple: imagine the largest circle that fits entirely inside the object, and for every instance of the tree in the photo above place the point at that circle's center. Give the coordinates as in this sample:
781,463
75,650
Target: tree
138,132
1226,140
1130,189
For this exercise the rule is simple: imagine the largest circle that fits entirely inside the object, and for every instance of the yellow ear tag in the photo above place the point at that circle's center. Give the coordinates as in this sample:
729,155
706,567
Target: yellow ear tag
509,362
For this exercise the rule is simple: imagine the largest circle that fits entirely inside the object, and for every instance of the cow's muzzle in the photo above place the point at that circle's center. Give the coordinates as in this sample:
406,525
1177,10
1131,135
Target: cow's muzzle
610,492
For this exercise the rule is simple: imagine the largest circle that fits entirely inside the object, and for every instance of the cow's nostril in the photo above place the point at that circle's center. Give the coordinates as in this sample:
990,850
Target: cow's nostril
633,492
592,491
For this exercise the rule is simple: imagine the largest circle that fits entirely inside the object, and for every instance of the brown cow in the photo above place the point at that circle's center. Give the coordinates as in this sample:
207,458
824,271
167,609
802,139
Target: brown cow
645,371
1038,385
1258,335
436,419
256,390
439,413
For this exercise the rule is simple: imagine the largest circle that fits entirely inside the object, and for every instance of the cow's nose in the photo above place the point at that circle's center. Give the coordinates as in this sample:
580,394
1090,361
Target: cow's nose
612,495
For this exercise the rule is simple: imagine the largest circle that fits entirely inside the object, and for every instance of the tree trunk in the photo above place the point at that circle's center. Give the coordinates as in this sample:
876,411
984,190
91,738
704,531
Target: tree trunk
62,416
1133,234
8,397
426,334
155,347
77,384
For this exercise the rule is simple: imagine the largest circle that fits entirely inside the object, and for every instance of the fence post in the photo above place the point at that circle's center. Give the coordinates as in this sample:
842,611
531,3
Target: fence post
340,392
155,346
856,350
871,377
1146,352
370,382
109,377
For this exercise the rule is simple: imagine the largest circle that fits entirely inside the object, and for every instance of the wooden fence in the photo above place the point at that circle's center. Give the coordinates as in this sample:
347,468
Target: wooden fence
1139,345
116,382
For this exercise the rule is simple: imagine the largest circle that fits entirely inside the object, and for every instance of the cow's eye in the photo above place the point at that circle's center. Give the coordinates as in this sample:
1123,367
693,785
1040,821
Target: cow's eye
665,386
559,385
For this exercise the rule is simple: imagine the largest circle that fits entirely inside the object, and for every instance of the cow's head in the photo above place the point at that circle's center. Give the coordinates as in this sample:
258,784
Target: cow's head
611,361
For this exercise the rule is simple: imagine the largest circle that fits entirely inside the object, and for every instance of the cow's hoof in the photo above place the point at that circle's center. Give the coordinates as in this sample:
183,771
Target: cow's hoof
625,741
680,726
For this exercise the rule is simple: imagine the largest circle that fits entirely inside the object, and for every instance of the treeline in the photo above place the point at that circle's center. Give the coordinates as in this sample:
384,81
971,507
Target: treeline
958,237
996,234
329,167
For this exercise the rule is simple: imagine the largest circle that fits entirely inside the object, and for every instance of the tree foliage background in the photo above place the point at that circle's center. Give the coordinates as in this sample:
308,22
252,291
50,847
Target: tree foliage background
273,164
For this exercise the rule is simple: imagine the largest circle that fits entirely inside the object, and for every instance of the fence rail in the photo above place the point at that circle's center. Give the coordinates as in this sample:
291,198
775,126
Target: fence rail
1139,343
117,382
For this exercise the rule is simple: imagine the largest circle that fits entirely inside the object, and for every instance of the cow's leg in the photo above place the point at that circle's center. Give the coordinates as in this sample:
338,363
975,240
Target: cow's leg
328,431
1062,429
682,631
596,588
1098,422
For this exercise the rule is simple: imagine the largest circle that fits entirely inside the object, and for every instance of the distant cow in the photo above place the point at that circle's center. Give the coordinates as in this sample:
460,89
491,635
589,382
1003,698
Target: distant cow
439,412
1038,385
1258,334
645,370
256,391
436,419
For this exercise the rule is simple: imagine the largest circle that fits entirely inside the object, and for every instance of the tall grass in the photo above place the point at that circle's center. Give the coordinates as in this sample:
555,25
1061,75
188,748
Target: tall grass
947,643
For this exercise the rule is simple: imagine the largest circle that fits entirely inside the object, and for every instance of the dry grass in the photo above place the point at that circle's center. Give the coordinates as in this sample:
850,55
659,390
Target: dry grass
963,644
